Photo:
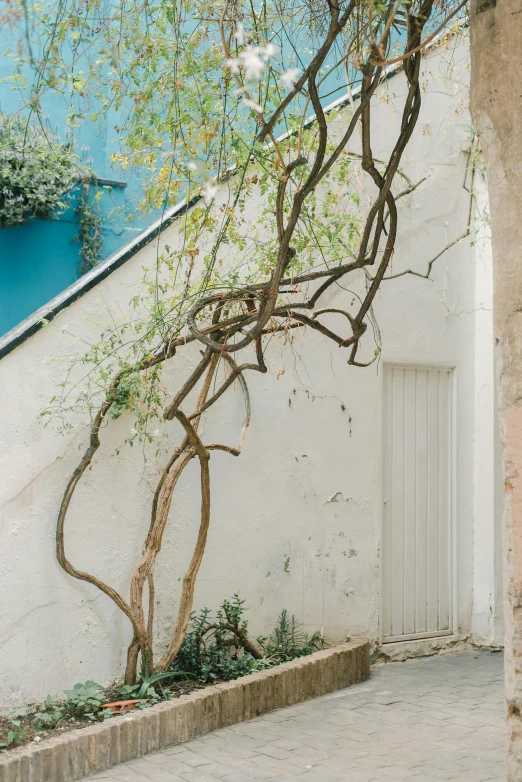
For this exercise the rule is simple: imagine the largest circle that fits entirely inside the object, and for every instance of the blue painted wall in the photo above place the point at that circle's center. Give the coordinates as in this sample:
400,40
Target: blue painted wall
40,259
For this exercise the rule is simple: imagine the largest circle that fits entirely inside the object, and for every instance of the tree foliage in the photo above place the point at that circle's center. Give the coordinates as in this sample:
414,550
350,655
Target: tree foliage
36,171
223,103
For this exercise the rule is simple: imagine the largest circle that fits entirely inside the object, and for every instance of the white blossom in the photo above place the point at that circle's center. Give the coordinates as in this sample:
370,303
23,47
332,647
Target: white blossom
269,51
254,65
233,66
253,59
253,105
192,166
239,35
290,77
209,192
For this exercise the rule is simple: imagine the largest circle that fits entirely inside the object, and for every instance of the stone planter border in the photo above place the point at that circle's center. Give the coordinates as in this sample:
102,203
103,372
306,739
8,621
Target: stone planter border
76,754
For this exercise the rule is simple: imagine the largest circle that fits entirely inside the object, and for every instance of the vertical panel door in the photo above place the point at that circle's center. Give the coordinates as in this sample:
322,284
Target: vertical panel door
417,524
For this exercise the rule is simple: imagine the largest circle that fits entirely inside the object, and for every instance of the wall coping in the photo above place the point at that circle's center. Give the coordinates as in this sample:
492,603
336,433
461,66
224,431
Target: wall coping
33,323
85,751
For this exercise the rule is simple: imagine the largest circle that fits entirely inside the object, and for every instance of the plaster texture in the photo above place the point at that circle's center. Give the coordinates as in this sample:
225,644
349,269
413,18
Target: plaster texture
496,29
296,519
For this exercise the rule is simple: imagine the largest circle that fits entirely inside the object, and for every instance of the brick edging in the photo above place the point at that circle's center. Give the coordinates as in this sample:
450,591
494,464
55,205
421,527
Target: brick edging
76,754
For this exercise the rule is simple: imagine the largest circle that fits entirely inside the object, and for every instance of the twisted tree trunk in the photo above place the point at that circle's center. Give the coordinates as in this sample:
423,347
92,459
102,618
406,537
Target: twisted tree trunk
225,319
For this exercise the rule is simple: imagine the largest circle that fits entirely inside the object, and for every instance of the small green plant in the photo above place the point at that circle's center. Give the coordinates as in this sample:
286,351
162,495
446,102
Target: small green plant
216,648
213,649
86,698
288,640
145,690
16,732
219,649
50,717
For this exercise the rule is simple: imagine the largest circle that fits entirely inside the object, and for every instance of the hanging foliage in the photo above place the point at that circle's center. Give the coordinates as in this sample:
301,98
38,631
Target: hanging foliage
90,234
38,175
37,172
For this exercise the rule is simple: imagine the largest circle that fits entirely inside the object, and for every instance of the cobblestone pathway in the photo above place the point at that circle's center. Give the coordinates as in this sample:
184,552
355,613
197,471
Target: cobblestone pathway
438,718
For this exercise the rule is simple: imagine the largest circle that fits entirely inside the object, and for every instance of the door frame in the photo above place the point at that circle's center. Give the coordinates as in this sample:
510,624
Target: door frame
453,537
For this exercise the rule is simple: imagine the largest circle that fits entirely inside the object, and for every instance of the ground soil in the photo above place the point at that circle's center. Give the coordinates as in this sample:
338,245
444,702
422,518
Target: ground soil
72,719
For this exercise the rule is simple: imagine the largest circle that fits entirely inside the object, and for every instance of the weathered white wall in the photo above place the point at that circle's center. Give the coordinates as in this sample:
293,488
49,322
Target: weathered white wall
495,27
487,620
296,519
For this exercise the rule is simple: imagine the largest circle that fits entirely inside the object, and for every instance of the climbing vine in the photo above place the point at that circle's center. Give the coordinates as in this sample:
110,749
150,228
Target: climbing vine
228,113
90,235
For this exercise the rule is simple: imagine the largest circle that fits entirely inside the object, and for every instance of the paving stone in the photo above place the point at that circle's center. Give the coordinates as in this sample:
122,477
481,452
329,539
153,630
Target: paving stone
197,776
236,778
155,773
273,751
439,718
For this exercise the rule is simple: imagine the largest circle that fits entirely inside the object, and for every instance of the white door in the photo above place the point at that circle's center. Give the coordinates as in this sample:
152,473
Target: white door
417,556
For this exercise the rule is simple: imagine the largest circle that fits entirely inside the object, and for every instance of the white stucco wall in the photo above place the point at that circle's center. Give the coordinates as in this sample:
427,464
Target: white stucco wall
487,620
296,520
